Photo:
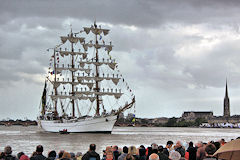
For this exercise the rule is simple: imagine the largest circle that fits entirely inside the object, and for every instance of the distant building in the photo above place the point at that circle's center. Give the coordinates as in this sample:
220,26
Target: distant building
192,115
226,104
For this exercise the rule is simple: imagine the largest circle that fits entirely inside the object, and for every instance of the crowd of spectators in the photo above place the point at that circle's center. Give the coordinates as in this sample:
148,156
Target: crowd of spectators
172,151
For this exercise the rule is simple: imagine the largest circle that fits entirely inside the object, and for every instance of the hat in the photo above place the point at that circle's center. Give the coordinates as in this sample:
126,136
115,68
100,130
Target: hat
24,157
174,155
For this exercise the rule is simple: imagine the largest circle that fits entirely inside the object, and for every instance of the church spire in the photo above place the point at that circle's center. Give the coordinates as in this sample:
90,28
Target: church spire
226,103
226,91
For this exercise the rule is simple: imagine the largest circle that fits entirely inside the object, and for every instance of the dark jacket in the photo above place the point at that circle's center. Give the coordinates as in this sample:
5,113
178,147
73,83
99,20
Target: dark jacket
163,156
10,157
192,152
38,157
116,154
181,150
91,155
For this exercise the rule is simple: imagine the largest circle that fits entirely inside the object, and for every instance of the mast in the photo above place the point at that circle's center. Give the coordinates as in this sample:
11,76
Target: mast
97,75
73,104
55,79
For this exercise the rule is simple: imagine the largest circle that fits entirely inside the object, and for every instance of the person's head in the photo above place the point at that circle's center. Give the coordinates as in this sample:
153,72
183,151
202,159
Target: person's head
129,157
72,155
174,155
60,154
19,155
132,150
39,149
169,144
153,156
160,148
191,144
79,154
66,155
178,144
92,147
125,149
154,148
24,157
210,149
142,151
52,154
217,145
199,144
115,148
8,150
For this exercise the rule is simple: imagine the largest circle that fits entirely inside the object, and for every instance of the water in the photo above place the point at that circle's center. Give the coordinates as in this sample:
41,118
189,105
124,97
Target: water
27,138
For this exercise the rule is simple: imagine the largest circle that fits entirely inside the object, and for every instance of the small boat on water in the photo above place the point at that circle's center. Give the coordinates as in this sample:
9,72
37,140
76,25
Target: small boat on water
64,131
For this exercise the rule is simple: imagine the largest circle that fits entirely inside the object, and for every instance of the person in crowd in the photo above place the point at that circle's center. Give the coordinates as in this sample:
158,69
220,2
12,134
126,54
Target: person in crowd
60,154
24,157
52,155
169,145
200,151
73,156
148,152
8,153
38,155
161,154
108,153
142,153
133,151
210,149
222,142
91,154
79,155
153,156
179,148
124,154
116,153
217,145
66,156
20,154
174,155
129,157
1,155
192,151
154,148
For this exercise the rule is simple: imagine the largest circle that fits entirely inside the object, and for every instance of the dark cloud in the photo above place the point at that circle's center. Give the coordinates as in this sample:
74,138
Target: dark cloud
172,51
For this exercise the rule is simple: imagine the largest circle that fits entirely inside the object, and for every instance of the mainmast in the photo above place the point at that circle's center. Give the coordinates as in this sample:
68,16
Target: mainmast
73,103
97,75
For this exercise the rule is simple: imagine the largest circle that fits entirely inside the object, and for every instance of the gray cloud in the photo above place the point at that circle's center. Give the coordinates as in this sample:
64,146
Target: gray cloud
169,51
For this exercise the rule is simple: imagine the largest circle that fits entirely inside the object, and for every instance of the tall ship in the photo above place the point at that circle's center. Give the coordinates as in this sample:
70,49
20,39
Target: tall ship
84,90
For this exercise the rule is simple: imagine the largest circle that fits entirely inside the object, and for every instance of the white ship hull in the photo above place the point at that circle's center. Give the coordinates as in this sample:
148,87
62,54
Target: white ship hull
100,124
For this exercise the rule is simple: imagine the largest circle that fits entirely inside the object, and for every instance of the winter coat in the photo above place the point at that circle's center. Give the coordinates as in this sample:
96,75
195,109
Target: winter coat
181,150
38,157
91,155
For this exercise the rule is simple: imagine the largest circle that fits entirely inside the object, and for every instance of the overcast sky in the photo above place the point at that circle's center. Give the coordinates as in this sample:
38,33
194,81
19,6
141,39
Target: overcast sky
178,53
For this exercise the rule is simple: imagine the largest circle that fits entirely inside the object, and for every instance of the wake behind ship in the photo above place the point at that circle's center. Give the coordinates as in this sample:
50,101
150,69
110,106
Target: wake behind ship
84,90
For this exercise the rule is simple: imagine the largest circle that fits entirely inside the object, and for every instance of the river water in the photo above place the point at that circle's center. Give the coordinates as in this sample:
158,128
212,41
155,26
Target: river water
27,138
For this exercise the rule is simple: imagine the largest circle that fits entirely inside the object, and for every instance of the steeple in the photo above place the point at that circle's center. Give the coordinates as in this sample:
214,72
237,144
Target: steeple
226,104
226,91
